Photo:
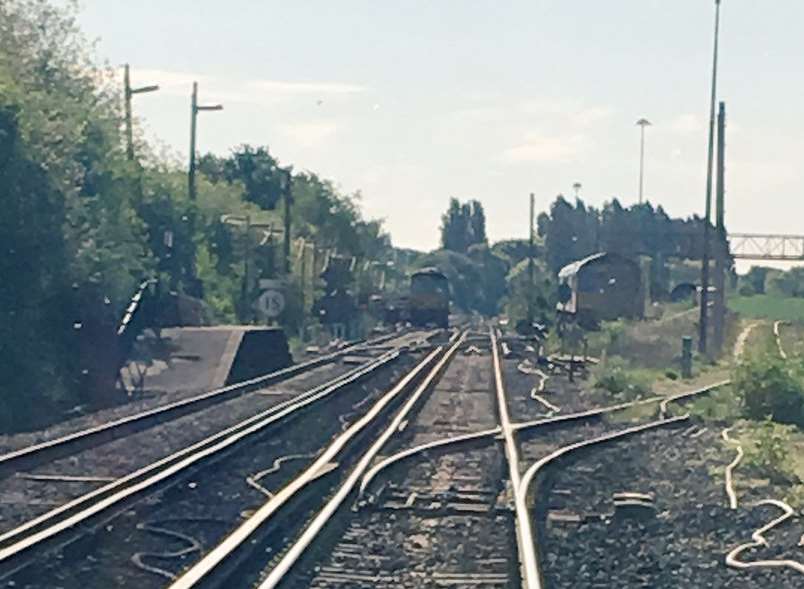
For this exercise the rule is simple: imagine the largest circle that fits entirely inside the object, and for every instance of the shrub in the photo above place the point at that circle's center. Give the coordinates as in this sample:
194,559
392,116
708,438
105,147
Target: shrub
614,376
771,388
770,455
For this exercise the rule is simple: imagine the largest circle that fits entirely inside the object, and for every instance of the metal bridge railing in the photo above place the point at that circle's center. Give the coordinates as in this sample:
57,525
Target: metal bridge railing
758,246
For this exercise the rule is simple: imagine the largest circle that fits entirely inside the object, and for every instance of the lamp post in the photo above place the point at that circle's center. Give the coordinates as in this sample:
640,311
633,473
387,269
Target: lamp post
195,108
704,314
642,123
530,262
129,92
285,181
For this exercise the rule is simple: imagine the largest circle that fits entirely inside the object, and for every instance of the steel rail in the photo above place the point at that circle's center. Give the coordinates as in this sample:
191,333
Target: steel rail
689,394
541,463
324,464
452,441
20,540
495,433
38,453
531,577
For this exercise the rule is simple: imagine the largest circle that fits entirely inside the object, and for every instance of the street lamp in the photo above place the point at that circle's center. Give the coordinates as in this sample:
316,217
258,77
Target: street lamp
642,123
195,108
704,318
129,93
285,180
577,188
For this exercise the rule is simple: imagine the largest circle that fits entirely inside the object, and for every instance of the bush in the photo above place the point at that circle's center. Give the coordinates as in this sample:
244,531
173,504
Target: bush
770,455
771,388
614,376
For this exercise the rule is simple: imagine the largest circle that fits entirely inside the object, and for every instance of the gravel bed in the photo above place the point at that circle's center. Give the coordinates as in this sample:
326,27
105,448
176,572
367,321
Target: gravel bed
132,406
440,520
683,545
203,505
22,499
569,397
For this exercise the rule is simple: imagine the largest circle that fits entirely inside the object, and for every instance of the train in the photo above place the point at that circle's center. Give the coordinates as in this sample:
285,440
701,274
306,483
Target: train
601,287
428,302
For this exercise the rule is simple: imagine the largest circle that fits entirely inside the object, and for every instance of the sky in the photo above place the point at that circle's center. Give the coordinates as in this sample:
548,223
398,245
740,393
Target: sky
412,102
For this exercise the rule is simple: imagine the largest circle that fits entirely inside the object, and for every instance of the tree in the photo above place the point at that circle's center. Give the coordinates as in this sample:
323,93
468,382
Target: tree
463,225
254,168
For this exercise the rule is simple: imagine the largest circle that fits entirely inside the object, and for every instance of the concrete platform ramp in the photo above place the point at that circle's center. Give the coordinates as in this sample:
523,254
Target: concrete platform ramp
197,359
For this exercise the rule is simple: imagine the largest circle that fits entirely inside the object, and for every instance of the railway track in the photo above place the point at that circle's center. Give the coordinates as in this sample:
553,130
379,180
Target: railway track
300,511
275,512
70,524
34,455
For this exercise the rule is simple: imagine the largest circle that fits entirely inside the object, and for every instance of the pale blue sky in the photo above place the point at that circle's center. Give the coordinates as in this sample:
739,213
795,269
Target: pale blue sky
412,102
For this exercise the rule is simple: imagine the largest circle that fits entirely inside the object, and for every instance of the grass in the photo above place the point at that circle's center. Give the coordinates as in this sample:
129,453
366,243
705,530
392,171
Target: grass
770,307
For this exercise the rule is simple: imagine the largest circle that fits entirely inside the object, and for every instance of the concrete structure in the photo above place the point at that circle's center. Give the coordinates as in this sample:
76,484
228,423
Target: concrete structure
197,359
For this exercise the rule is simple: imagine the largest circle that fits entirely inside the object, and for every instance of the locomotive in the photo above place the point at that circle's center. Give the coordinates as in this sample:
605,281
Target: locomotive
428,302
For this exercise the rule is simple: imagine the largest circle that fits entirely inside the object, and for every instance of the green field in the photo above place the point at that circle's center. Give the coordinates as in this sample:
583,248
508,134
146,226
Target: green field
769,307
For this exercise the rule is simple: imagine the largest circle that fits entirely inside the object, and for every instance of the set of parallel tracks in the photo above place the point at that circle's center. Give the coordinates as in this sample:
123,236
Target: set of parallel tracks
70,444
64,525
304,506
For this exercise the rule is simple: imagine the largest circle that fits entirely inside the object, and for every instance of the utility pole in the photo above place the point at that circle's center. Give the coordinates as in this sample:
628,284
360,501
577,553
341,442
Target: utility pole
129,92
642,123
286,185
720,231
704,318
530,264
194,110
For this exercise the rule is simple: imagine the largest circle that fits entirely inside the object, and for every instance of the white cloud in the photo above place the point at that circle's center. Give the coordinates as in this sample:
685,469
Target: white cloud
545,150
312,134
214,88
687,124
587,117
572,112
319,88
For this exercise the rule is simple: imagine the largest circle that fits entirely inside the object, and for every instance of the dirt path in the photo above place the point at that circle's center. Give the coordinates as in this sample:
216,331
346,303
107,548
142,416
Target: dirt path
739,345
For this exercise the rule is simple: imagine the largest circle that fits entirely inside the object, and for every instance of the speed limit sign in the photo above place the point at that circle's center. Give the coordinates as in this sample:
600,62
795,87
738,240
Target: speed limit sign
271,303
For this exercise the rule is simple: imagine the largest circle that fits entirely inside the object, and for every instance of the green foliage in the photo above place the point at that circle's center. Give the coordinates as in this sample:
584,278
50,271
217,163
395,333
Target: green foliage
615,376
795,497
541,296
719,405
768,307
463,225
574,231
253,168
81,225
770,454
477,280
754,280
789,284
770,387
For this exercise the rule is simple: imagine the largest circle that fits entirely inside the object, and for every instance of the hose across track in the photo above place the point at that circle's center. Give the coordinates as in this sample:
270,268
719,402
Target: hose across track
240,542
36,454
57,527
